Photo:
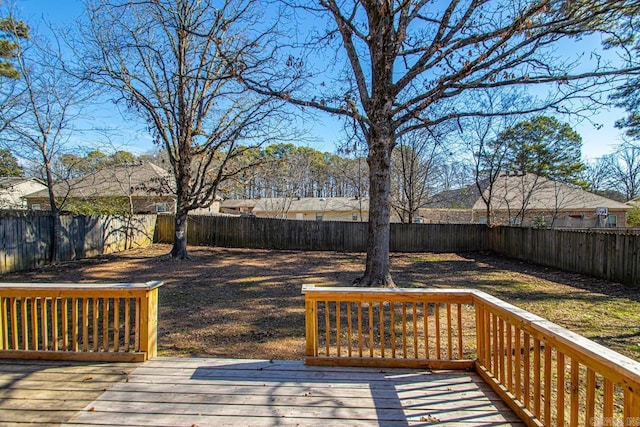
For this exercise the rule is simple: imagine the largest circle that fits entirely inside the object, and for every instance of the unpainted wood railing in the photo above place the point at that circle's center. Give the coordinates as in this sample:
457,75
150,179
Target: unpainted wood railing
545,373
389,327
93,322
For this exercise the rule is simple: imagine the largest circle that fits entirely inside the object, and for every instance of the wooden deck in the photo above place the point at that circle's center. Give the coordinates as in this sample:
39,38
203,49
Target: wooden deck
236,392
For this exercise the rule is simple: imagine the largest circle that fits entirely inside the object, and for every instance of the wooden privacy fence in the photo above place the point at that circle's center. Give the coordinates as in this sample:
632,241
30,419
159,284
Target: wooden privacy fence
25,241
545,373
92,322
267,233
610,255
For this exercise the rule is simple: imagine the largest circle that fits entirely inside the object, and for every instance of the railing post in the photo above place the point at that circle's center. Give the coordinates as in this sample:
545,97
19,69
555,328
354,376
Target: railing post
149,323
311,326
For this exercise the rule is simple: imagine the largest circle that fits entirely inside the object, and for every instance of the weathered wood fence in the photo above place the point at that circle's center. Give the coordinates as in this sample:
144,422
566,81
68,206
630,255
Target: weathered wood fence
25,241
268,233
606,254
611,255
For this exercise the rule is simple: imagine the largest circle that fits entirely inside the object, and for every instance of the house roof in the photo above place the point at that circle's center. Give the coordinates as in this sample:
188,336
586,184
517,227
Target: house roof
454,199
302,204
512,191
12,181
139,179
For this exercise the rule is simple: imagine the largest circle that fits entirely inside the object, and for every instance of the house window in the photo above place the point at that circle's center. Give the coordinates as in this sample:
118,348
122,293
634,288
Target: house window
515,222
482,220
354,217
161,207
318,216
613,220
299,216
36,207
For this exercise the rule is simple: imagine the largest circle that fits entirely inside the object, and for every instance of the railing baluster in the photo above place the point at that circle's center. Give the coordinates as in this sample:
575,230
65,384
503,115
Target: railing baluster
518,363
370,328
575,393
509,351
15,334
65,323
404,329
631,411
501,369
360,343
460,345
138,317
607,400
24,317
436,315
590,396
527,370
560,385
536,378
495,340
127,324
425,320
105,324
54,323
95,309
349,328
43,323
547,384
85,324
381,315
338,322
392,329
74,321
4,330
449,332
327,327
414,317
116,324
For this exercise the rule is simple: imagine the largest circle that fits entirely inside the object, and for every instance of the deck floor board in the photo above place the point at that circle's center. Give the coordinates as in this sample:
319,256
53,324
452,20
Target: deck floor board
234,392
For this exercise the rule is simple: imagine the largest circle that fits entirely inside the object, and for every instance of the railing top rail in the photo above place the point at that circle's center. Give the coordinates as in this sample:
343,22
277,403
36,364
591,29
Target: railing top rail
147,286
346,290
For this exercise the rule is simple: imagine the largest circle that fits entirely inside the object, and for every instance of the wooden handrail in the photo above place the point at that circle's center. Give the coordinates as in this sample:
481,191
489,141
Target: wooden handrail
79,321
545,373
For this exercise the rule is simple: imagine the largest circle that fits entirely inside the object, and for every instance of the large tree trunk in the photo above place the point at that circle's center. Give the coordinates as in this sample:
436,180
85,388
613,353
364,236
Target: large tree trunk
179,249
377,272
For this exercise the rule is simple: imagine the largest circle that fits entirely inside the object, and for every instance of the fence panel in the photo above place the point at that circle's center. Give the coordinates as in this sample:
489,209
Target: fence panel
25,240
268,233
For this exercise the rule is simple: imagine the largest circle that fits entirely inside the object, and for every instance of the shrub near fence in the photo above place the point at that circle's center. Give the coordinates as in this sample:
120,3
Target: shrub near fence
25,241
246,232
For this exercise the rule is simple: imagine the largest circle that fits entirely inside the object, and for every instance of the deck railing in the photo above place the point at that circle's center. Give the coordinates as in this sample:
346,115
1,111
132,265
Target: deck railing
93,322
545,373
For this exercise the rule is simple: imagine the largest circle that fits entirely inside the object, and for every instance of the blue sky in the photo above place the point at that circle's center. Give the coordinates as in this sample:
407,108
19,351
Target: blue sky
324,135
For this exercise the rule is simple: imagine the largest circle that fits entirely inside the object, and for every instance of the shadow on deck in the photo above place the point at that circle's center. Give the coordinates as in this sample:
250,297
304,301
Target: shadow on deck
234,392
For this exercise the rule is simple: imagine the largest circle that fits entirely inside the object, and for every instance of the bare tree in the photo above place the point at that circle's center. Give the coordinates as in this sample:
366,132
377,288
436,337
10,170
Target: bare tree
399,62
47,101
623,170
175,63
413,170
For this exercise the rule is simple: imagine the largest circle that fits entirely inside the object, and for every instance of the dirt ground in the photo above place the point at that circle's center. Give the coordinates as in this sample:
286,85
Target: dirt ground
246,303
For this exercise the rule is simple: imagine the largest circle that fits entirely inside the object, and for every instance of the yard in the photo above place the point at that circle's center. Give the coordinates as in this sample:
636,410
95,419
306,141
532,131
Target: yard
246,303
